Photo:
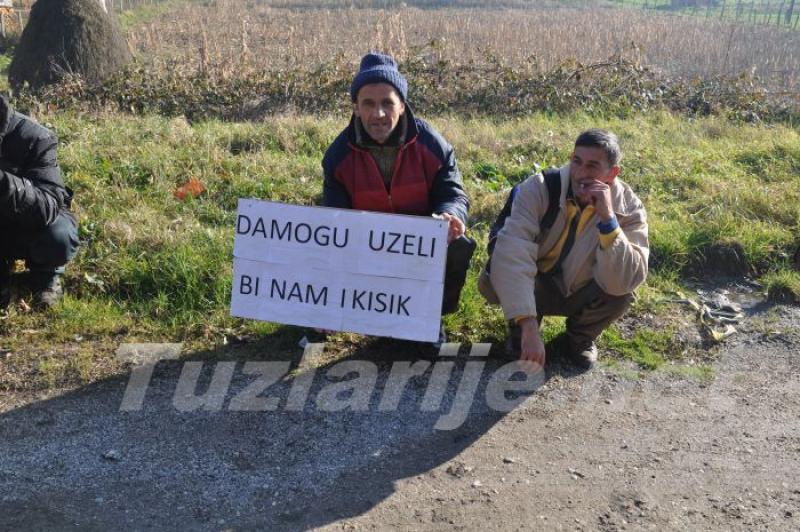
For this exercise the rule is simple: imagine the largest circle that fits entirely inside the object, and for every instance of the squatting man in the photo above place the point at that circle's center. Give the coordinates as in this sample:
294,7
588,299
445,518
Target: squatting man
584,263
35,223
388,160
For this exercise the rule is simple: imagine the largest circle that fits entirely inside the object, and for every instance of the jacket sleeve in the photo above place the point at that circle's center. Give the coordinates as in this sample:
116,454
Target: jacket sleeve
31,200
334,193
447,190
622,266
516,251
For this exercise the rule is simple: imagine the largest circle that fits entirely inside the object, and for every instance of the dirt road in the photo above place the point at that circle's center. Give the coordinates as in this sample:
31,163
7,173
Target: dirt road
598,451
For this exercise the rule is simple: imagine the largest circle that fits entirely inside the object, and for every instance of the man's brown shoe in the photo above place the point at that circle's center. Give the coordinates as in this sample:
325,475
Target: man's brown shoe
5,286
6,271
583,355
46,288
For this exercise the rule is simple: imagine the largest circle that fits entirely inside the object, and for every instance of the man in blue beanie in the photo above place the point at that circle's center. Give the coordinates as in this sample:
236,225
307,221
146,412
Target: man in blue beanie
387,160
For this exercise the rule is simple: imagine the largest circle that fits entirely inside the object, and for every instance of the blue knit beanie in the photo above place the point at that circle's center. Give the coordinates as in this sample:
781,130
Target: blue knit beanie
379,68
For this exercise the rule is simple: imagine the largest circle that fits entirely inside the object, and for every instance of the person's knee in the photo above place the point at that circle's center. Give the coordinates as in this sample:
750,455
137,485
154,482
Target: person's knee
624,301
57,244
610,307
459,253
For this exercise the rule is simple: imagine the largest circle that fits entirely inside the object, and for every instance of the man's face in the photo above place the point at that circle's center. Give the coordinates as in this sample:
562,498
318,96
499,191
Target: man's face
589,164
379,107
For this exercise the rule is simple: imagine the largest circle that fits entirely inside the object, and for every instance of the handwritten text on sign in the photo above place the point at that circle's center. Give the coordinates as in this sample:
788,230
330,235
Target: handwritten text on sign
355,271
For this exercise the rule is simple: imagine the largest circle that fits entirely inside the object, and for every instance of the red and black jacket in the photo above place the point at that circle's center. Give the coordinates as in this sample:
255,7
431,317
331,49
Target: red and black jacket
425,179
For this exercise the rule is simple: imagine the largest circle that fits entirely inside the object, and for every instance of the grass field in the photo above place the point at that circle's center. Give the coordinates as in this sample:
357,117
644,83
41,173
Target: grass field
154,268
722,195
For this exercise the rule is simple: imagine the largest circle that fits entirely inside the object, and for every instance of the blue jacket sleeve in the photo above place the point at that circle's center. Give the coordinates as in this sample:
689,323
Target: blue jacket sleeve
447,191
334,193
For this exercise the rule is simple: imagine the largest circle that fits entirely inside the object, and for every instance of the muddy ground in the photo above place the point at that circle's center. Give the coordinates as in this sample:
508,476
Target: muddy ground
605,450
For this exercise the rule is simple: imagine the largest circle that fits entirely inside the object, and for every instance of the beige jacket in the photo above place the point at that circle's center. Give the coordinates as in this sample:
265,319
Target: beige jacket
617,269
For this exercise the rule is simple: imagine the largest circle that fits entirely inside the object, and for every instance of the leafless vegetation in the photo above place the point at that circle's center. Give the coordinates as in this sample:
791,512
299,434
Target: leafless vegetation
236,37
245,59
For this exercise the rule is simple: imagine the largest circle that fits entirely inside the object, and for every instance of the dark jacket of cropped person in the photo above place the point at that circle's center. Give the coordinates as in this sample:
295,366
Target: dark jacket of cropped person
32,191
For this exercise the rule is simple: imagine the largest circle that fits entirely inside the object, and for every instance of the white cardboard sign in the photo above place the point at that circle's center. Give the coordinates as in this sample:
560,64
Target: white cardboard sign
339,269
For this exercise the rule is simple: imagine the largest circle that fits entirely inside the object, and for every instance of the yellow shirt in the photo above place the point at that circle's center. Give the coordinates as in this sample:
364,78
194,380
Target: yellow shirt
548,261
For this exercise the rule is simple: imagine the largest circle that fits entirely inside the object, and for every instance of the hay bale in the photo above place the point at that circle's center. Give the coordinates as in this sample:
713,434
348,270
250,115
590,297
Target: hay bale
68,37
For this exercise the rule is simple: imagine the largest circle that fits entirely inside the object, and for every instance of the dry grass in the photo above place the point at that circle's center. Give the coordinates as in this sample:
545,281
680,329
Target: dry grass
236,37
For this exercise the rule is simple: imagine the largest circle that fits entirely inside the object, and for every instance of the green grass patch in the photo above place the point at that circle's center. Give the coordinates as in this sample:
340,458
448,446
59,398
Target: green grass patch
156,268
702,373
81,364
5,62
647,348
88,317
552,328
783,286
146,12
615,366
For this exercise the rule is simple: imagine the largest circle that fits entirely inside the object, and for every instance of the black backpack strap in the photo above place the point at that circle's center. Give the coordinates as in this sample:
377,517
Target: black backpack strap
552,178
498,224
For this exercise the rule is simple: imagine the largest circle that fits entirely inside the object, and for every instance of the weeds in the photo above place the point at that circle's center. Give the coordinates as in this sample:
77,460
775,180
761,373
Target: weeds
702,373
783,286
233,60
646,348
154,268
617,87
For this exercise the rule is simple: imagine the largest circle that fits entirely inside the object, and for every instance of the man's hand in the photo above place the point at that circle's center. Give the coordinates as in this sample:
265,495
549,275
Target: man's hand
456,226
532,345
598,194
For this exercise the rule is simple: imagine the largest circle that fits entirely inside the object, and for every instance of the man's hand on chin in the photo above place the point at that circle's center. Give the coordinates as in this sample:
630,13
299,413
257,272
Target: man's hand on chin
456,227
598,194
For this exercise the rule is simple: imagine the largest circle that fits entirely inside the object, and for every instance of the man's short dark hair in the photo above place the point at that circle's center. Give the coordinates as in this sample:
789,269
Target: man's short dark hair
601,138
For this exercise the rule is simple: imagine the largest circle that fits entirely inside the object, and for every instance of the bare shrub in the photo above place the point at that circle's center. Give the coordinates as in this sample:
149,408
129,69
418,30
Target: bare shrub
240,60
282,37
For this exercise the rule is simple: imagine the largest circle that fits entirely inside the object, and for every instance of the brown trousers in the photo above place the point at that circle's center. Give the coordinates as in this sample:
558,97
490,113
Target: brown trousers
588,311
